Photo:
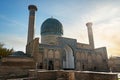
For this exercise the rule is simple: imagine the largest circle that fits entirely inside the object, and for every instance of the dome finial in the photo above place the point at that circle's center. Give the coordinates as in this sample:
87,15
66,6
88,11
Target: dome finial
51,16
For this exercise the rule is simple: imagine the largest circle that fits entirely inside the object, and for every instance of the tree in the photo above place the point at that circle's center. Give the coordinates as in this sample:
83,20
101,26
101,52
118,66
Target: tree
4,51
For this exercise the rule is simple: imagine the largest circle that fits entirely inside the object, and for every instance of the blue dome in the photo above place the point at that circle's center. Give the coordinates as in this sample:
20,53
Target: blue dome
51,26
18,54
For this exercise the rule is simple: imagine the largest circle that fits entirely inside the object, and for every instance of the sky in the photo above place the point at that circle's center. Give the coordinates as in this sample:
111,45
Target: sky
73,14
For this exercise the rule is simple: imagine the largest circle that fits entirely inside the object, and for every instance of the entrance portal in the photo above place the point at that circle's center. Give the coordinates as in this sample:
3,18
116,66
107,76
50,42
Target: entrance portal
68,61
50,66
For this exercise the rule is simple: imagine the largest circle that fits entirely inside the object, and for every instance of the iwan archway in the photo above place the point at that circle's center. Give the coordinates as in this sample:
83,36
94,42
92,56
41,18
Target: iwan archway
68,59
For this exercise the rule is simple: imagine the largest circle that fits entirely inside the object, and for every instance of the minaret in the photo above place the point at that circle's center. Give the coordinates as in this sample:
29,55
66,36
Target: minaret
90,34
32,9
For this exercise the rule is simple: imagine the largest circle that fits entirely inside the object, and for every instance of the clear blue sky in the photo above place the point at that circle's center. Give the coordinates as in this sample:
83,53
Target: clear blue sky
73,14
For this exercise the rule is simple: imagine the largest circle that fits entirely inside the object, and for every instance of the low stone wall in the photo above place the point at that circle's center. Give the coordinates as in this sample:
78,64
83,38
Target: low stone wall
70,75
95,76
12,67
43,75
13,72
52,75
65,75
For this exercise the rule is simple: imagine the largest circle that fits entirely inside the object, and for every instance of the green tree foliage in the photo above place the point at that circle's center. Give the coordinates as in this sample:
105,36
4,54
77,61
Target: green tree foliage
4,51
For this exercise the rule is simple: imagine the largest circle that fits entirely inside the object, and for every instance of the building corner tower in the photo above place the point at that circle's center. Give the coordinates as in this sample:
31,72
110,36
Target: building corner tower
90,34
32,9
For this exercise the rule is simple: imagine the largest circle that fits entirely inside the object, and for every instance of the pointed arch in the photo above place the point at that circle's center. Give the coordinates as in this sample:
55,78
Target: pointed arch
68,61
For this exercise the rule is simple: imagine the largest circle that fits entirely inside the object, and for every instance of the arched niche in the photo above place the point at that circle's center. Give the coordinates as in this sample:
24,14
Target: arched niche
68,59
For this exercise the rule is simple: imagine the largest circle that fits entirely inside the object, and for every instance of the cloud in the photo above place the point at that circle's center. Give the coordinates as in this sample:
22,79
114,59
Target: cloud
105,27
10,21
102,14
8,34
13,41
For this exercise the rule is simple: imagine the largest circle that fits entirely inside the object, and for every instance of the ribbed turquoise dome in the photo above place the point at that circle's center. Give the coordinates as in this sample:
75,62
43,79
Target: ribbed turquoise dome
51,26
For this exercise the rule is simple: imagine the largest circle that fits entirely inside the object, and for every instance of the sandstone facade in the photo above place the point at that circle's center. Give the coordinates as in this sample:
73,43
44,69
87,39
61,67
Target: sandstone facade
84,58
114,64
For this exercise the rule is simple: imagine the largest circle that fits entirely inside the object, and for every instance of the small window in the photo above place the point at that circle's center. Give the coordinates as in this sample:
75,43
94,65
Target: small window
83,66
